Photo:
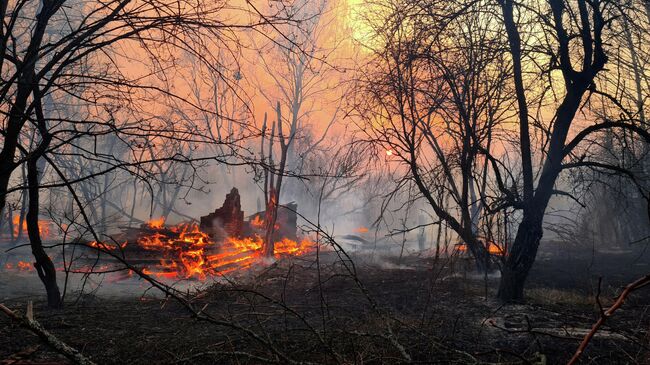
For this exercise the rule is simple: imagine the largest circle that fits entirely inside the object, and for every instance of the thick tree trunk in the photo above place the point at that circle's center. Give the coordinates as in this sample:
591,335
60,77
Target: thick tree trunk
44,266
520,261
4,184
481,255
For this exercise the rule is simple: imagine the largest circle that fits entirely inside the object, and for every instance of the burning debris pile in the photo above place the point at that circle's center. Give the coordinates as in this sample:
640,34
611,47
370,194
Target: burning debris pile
228,221
222,243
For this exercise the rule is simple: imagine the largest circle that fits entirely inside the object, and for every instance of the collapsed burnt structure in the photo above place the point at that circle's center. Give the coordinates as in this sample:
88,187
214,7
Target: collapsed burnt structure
228,221
223,241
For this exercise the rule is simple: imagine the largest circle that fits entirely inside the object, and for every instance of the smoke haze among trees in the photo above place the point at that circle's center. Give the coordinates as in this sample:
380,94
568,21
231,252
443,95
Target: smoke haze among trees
482,141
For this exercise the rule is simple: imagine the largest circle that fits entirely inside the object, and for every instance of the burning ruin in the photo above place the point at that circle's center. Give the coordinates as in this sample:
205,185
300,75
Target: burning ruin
228,221
221,243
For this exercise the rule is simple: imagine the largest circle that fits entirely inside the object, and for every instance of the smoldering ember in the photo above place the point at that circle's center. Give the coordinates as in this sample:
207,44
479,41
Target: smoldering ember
324,182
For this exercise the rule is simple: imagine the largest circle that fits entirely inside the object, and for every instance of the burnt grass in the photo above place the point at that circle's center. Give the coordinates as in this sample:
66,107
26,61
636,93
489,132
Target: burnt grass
416,309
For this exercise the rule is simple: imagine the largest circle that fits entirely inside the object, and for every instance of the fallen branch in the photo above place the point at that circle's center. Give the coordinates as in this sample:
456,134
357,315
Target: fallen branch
608,313
30,323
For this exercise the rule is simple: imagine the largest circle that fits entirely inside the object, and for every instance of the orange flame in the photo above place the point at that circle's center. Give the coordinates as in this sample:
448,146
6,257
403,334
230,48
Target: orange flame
257,222
493,248
43,227
185,252
102,245
290,247
156,223
20,266
192,254
260,223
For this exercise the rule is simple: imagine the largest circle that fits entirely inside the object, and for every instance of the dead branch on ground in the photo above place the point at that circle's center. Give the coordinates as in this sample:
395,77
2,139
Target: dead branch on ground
639,283
30,323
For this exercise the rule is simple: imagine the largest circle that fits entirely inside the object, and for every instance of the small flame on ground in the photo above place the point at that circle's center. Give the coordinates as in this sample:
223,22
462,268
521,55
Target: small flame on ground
493,248
20,266
110,247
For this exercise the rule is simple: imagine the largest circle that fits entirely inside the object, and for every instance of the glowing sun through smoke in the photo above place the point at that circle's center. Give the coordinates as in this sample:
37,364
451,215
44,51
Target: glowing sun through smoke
356,17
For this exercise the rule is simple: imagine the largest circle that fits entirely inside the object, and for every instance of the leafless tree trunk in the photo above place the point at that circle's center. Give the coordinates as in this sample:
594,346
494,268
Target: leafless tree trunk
436,110
44,265
273,188
524,248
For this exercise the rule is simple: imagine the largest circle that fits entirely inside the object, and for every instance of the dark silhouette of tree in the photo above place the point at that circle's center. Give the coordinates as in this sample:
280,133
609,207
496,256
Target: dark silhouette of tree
490,102
77,75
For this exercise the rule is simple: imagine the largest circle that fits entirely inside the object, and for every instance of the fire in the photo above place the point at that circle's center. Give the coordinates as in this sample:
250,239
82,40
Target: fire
102,245
493,248
290,247
20,266
183,251
257,222
43,227
188,253
156,223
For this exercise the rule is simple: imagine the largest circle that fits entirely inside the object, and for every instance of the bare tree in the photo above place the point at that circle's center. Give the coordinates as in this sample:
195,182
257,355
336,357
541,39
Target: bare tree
442,95
587,24
67,82
437,101
274,176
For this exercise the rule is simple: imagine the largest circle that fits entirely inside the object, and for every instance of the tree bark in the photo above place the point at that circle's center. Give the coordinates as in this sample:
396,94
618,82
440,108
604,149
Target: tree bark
275,190
520,261
524,249
44,265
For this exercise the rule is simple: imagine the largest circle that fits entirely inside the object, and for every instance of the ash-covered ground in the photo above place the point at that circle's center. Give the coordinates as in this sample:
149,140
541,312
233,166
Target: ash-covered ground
325,309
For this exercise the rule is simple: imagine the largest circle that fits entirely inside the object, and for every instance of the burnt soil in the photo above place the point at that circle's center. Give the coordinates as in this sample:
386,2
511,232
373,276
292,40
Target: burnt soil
416,309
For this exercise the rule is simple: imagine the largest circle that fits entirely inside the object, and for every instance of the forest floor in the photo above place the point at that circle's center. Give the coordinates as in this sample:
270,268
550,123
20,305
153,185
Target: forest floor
416,309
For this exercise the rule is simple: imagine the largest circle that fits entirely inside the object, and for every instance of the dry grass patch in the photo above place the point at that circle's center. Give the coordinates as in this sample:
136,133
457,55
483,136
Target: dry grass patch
550,296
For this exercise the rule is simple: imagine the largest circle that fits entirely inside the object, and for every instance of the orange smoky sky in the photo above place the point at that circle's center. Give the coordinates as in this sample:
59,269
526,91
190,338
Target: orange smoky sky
243,75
